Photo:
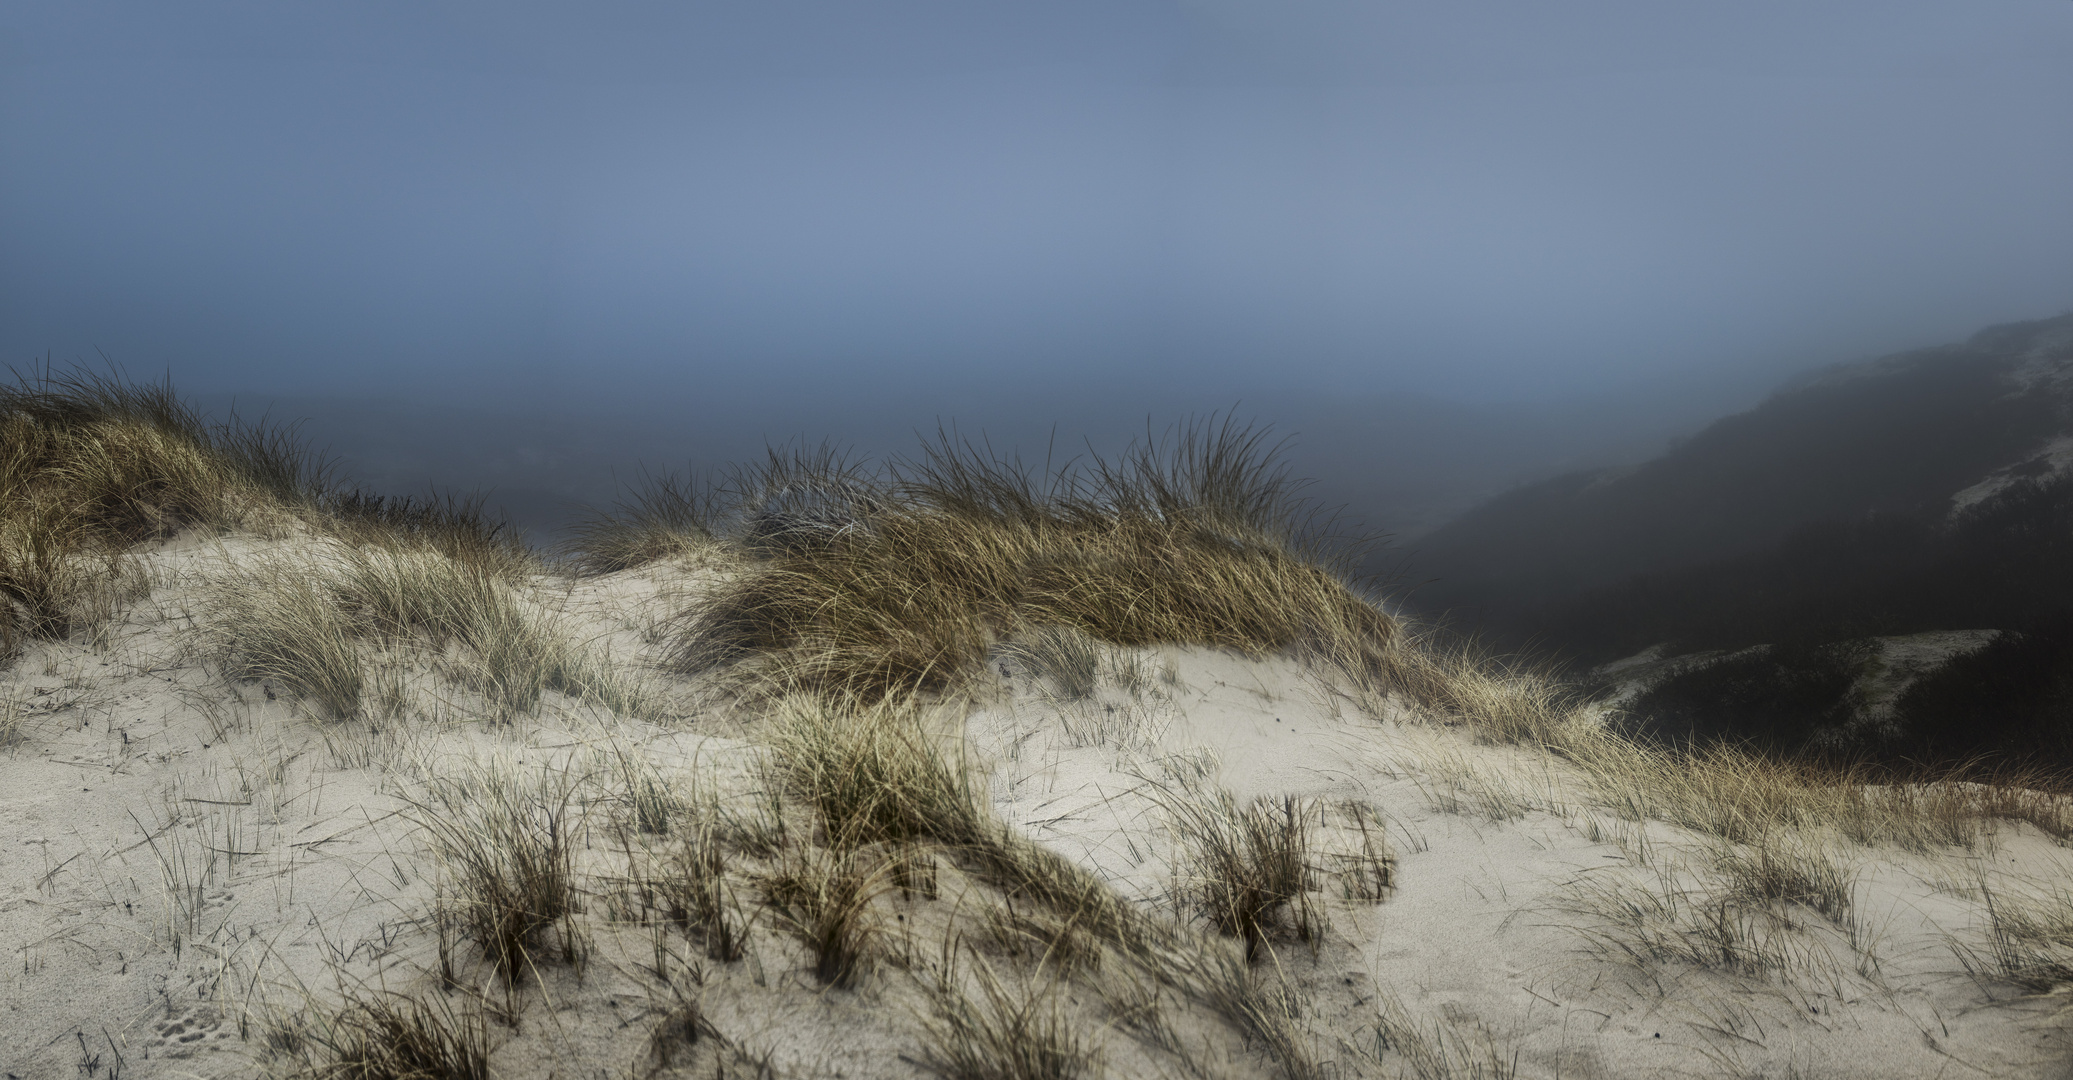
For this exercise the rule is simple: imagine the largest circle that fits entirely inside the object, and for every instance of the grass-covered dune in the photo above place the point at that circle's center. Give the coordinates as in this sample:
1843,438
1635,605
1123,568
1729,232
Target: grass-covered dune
941,766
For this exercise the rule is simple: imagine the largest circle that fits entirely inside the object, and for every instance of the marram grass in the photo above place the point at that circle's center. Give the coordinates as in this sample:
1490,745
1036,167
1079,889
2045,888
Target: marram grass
906,582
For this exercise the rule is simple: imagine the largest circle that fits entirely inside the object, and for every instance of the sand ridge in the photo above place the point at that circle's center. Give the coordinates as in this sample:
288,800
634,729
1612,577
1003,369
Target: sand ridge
196,868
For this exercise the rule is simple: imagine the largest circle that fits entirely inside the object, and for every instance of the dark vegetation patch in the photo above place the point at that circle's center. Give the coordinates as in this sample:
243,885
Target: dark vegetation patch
1775,696
2007,565
91,464
2012,699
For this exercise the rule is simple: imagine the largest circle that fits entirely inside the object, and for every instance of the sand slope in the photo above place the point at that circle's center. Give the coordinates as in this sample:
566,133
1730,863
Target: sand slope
193,869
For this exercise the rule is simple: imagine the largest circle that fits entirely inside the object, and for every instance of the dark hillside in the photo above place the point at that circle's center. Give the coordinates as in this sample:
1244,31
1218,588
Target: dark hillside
1856,445
1877,561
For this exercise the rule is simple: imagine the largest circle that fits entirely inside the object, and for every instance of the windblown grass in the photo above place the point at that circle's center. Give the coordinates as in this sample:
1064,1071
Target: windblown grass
132,461
90,464
507,848
520,650
275,619
2029,938
460,529
1251,868
873,776
826,899
695,892
1439,1051
389,1036
303,621
662,517
1786,871
997,1033
882,586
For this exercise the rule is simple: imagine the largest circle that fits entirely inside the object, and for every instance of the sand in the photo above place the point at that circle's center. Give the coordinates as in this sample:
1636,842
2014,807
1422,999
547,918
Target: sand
190,866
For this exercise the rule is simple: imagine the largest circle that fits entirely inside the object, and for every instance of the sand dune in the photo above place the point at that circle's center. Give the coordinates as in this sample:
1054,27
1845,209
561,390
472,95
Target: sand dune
199,871
944,770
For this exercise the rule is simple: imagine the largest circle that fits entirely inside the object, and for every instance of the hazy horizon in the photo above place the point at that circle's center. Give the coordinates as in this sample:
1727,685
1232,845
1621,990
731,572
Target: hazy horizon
1524,238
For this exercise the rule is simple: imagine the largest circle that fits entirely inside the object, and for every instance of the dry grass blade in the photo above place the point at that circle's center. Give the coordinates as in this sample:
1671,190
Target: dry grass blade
664,517
874,777
826,900
507,851
1250,865
393,1037
997,1034
1369,872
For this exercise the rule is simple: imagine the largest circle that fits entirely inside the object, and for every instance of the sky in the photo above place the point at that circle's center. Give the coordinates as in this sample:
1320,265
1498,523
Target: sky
776,218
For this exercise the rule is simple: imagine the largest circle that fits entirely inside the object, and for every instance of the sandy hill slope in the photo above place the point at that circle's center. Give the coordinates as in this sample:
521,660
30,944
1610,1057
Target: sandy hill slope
945,775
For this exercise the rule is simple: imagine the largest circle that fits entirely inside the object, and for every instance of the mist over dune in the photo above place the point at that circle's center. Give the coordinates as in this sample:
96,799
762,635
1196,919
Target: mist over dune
1395,464
923,540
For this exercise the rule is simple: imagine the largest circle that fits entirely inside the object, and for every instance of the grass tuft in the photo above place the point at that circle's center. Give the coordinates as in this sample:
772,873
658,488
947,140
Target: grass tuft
825,899
1251,864
274,619
508,853
390,1037
695,893
883,586
1776,871
663,517
998,1034
461,529
1444,1052
2029,939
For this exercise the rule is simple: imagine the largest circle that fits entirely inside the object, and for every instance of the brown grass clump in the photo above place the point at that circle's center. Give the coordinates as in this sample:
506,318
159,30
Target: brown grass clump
695,893
1778,871
460,529
133,461
390,1037
1251,864
663,517
887,586
999,1034
275,619
825,898
303,621
874,777
90,464
507,850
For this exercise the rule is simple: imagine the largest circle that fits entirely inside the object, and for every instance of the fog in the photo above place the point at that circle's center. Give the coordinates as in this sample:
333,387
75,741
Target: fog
1447,246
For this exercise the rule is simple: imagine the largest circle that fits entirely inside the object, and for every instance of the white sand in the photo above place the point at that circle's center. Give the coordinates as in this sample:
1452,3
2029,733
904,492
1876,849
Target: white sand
183,860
